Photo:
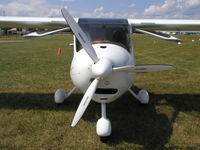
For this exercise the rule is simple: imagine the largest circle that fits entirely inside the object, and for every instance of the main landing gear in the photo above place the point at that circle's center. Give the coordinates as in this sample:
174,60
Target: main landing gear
60,95
142,96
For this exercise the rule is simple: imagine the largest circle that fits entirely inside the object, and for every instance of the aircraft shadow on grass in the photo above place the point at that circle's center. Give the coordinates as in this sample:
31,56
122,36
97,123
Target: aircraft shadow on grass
131,121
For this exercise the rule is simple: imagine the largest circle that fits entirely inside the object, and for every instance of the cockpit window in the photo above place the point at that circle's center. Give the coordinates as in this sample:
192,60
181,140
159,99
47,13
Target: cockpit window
114,31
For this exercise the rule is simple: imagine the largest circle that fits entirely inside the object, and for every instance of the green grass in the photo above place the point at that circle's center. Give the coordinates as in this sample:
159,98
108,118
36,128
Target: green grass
30,72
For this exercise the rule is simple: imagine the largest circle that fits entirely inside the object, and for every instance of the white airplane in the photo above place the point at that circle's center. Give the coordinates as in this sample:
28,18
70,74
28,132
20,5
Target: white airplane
103,66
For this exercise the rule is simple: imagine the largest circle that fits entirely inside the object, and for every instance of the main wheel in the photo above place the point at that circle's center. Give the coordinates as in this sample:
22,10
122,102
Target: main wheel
59,96
143,96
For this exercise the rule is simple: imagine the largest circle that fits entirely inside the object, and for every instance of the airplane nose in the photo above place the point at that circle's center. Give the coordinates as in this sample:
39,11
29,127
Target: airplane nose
102,68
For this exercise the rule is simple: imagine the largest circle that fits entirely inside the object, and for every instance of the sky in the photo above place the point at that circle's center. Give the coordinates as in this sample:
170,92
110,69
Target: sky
161,9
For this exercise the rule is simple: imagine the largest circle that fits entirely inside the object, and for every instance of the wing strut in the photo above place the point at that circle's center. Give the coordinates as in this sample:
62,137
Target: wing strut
158,35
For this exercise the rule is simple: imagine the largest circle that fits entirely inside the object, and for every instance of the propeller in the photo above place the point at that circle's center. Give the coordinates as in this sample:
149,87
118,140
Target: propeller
143,68
80,35
85,101
87,45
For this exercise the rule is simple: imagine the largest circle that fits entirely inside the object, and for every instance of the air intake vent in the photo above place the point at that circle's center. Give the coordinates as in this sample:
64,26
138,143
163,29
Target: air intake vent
103,46
106,91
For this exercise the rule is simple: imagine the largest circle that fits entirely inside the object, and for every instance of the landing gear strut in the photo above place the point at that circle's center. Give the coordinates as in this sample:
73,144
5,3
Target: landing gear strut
60,95
142,96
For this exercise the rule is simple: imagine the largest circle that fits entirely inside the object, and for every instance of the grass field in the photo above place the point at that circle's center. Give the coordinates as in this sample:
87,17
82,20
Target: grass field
31,70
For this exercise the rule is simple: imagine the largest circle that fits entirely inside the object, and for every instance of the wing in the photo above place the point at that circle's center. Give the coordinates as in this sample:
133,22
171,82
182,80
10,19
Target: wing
146,24
165,24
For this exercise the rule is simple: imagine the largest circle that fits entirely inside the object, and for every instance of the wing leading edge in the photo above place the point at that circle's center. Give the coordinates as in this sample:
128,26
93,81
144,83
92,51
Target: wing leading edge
32,22
145,24
165,24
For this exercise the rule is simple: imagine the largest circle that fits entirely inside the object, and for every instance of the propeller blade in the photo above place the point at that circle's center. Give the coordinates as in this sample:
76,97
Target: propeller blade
143,68
80,35
85,101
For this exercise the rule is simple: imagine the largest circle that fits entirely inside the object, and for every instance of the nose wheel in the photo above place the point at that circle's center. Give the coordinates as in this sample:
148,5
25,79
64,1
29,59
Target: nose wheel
103,126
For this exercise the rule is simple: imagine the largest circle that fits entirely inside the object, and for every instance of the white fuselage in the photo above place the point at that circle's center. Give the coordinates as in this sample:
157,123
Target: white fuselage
110,87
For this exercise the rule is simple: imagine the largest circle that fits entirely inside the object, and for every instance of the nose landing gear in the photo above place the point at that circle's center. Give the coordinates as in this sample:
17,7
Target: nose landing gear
103,126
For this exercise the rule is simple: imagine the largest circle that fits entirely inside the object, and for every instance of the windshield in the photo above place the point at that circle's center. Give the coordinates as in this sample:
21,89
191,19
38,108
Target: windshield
106,31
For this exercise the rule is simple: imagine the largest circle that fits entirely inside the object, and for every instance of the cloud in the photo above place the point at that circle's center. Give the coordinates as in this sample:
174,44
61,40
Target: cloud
170,9
30,8
187,9
131,5
184,9
100,12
